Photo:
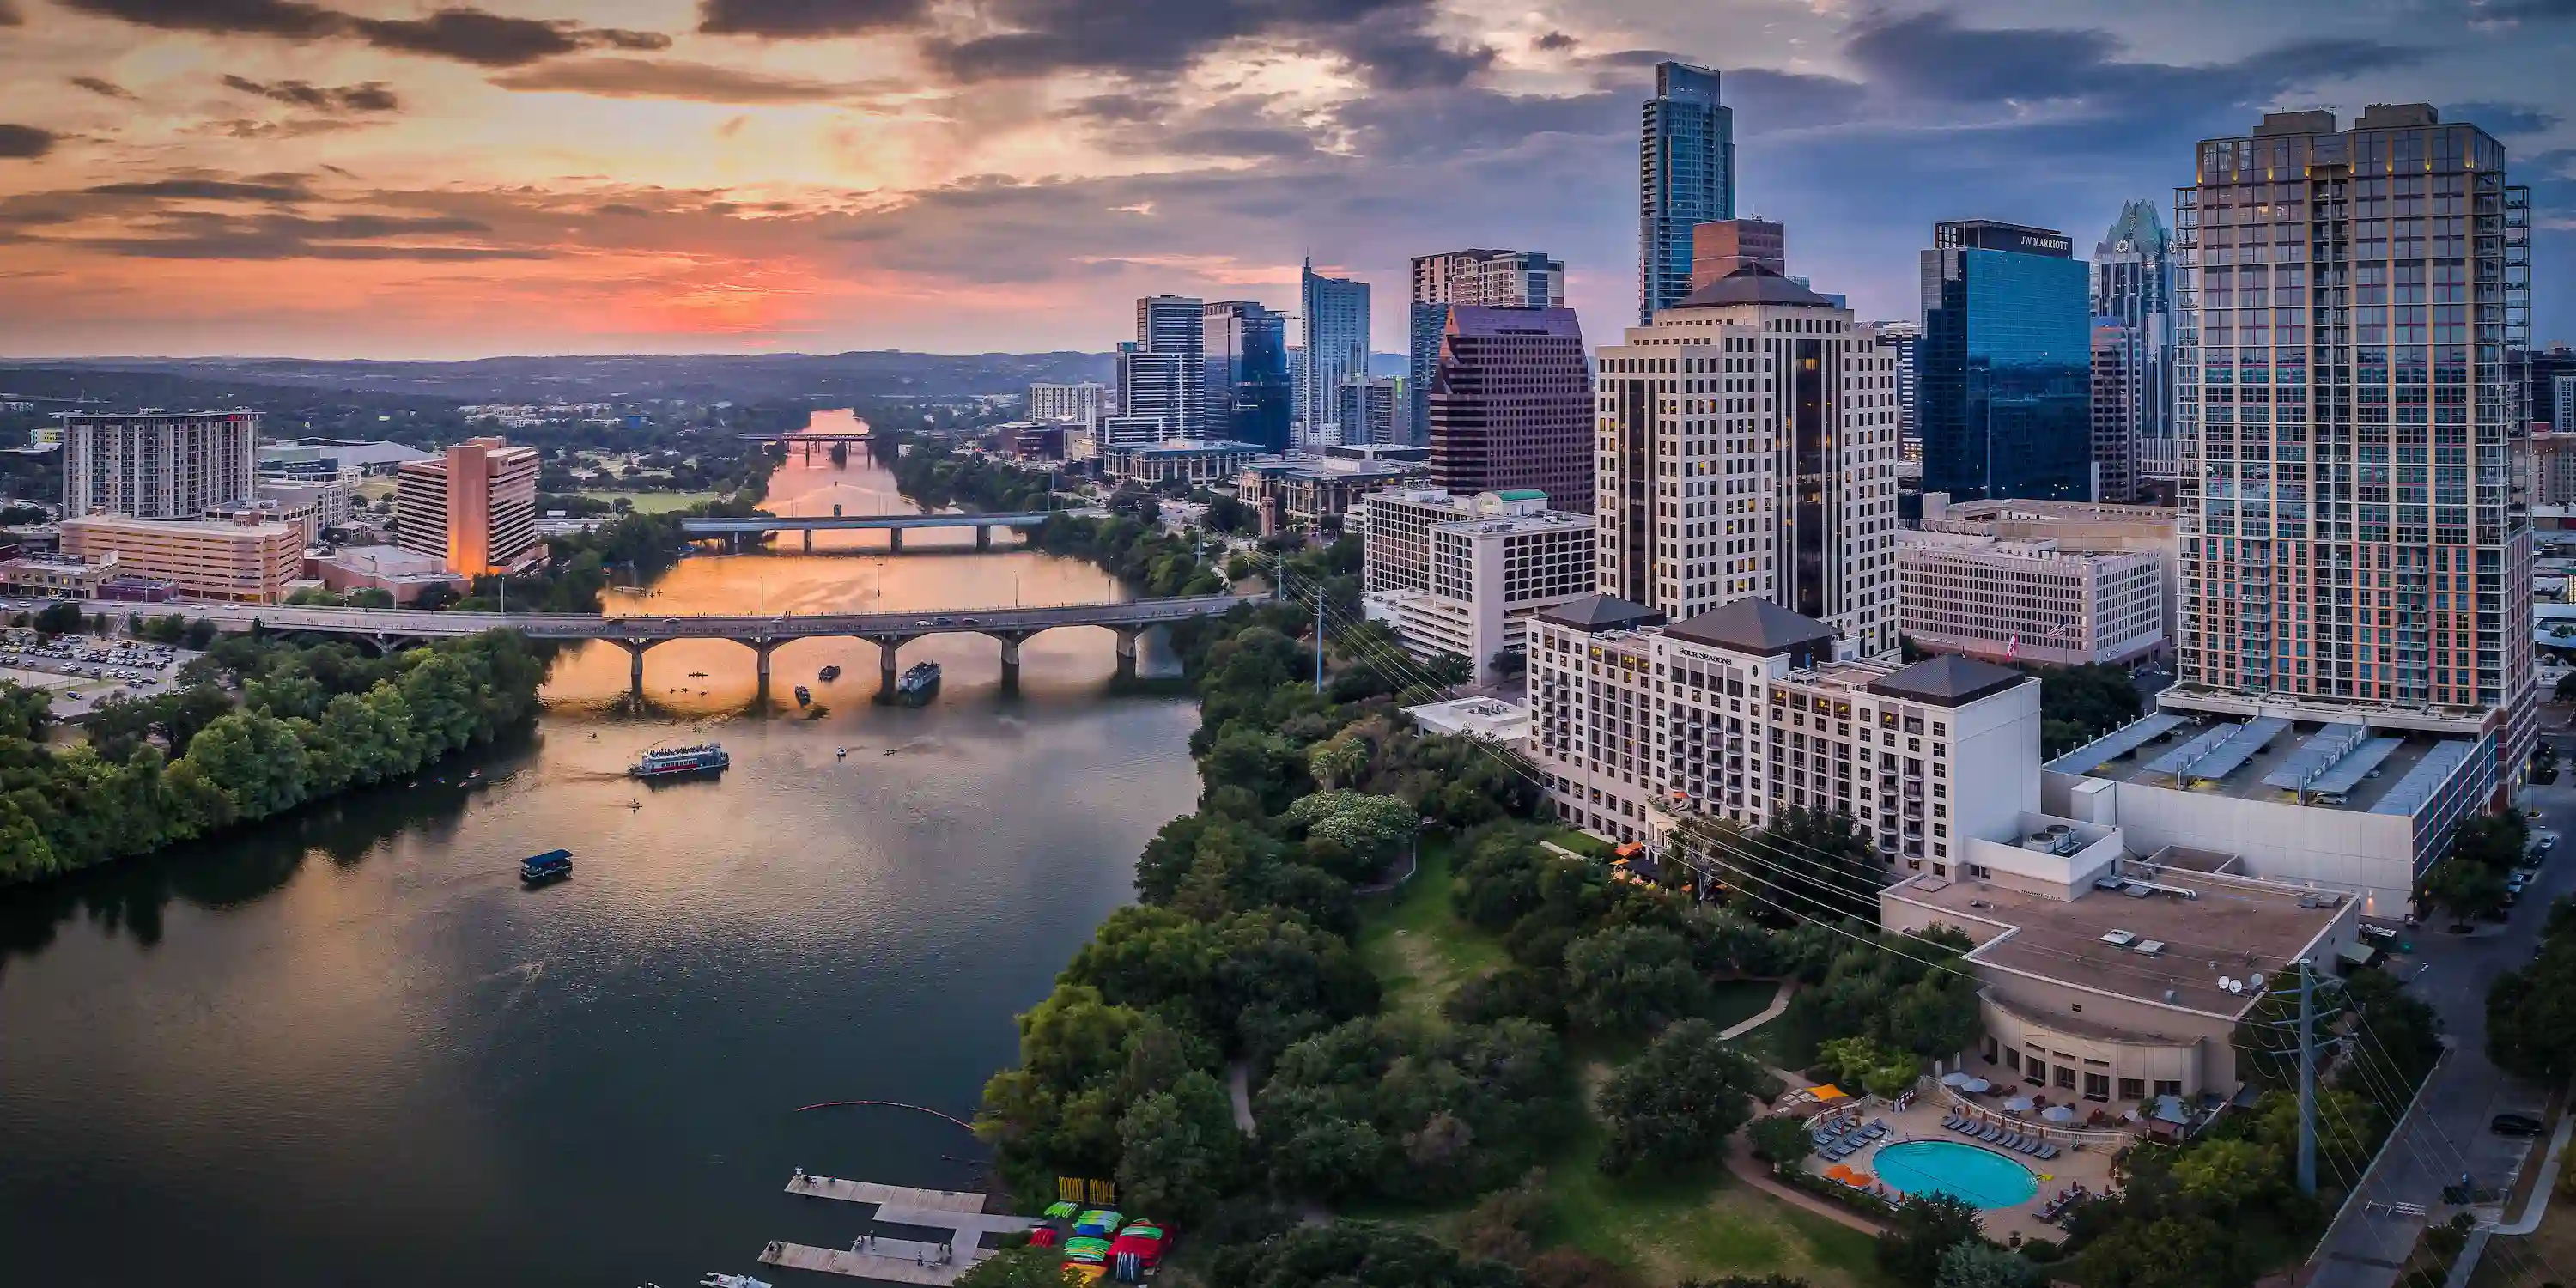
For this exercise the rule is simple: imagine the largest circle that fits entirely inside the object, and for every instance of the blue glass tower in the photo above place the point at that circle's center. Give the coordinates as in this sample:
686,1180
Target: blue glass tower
1336,310
2005,368
1247,378
1686,177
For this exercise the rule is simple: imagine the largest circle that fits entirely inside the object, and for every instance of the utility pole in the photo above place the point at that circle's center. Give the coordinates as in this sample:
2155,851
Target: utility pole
2307,1081
1319,638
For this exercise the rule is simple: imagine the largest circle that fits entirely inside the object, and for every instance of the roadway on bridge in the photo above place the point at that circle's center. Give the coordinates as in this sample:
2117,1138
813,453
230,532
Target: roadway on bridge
395,623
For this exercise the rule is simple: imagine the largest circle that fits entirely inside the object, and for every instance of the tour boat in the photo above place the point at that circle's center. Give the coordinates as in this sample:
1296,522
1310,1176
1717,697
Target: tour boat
681,762
918,683
545,867
731,1281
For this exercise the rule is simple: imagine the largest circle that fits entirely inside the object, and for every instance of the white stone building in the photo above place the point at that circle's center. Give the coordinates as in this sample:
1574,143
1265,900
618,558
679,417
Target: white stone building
1463,575
2027,600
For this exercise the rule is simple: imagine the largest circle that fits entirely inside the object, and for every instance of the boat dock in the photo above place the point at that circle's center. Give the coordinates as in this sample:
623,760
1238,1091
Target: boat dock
907,1261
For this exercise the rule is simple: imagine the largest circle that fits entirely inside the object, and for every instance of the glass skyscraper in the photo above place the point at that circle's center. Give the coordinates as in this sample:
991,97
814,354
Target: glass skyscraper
2352,424
1685,177
2004,385
2133,298
1247,374
1336,310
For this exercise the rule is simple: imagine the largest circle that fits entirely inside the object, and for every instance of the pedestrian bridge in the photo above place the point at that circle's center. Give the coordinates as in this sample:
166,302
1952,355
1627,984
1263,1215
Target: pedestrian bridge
894,524
763,634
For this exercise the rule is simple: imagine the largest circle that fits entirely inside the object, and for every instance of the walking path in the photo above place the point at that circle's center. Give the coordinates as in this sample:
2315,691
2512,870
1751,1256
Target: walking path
1756,1173
1239,1088
1779,1003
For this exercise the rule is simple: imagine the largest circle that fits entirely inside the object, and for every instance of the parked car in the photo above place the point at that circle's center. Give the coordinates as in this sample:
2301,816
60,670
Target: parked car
2514,1125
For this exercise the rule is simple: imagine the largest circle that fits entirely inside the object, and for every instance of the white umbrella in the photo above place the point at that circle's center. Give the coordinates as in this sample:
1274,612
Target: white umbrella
2018,1104
2058,1114
1979,1085
1955,1078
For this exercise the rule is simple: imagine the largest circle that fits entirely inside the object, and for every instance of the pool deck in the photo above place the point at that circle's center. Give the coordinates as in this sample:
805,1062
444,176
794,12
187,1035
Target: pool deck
2090,1165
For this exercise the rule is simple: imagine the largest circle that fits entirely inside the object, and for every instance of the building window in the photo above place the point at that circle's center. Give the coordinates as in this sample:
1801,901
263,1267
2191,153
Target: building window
2035,1072
2097,1086
2066,1077
2133,1089
2168,1087
2012,1059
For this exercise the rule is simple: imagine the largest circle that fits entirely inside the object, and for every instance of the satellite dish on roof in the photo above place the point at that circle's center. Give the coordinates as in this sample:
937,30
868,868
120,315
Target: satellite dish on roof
2255,980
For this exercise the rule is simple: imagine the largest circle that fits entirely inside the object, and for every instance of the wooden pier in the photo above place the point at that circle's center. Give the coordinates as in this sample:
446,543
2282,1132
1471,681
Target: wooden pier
905,1261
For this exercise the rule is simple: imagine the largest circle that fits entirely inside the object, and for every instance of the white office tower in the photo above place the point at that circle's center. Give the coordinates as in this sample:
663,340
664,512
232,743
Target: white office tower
158,464
1171,330
1747,450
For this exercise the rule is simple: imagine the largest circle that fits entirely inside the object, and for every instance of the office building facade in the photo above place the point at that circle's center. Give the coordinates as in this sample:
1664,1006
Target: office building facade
2004,397
2027,601
1370,410
1510,405
1721,246
1171,380
2352,424
1336,311
1463,574
1246,379
159,465
1685,178
1746,448
1524,279
1078,404
1903,342
2133,276
475,507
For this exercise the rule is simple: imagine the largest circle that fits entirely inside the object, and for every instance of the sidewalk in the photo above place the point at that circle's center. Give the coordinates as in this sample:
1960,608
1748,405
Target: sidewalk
1741,1163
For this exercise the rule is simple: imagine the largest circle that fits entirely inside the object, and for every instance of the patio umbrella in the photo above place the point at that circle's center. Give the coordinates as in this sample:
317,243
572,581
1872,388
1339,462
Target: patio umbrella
2058,1114
1979,1085
2017,1105
1955,1078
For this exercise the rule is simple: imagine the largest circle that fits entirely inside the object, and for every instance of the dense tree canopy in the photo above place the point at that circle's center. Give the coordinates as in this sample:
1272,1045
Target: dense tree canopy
1672,1109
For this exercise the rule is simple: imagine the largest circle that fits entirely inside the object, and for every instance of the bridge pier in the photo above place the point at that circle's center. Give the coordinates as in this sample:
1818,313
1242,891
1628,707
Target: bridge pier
634,664
889,668
894,537
809,541
983,537
1127,650
760,651
1011,641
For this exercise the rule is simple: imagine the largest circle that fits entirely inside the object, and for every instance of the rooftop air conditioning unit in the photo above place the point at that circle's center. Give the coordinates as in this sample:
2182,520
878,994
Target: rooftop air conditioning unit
2119,938
2150,947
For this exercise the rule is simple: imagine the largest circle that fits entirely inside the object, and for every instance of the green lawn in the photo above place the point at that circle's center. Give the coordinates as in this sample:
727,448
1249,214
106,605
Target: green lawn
1738,1000
1666,1230
652,502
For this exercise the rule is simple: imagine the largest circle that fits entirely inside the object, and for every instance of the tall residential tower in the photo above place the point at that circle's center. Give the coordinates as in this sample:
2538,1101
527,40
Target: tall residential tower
1336,310
1685,178
2352,541
159,464
1246,381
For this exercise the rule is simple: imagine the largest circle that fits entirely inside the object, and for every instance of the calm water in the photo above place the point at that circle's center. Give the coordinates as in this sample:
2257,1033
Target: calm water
350,1050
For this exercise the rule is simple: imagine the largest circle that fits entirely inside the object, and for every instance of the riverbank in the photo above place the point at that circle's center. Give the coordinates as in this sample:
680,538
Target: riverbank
310,722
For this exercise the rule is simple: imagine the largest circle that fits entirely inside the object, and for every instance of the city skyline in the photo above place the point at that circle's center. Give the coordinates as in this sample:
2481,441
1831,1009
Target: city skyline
672,177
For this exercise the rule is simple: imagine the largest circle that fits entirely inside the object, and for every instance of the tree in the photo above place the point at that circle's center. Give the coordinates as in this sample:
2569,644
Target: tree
1781,1140
1925,1227
1179,1149
2080,703
2531,1012
2468,888
1338,760
2180,1251
1355,1254
1672,1108
60,617
1862,1061
1352,835
1975,1263
1026,1266
1630,979
2225,1173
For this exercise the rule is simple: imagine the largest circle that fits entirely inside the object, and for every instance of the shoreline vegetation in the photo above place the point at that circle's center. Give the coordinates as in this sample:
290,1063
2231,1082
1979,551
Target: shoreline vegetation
261,726
1504,1073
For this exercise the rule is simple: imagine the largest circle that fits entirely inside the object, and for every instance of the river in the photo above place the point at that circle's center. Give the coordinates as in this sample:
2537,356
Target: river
350,1049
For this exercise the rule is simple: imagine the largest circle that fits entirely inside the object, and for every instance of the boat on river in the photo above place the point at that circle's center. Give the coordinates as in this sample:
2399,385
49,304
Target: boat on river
706,758
828,674
553,865
804,696
919,683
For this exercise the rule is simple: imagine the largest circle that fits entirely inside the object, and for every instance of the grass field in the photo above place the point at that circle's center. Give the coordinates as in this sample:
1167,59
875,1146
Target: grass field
1666,1230
653,502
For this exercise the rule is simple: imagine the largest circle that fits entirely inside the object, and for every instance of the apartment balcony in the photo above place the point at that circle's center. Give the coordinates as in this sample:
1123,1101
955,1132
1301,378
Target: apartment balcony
1914,791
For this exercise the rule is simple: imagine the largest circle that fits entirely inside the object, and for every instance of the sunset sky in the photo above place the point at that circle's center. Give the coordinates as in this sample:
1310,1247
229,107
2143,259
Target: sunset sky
383,178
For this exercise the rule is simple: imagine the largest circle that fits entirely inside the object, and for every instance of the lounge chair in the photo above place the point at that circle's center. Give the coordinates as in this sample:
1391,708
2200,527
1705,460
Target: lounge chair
1991,1134
2047,1150
2028,1146
1952,1121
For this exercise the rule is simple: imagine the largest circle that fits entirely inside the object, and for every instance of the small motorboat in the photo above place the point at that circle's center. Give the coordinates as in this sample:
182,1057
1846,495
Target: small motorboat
731,1281
697,675
840,753
828,674
552,865
804,696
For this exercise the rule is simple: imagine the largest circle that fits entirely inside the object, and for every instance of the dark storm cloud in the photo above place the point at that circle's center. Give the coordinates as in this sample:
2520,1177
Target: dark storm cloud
674,78
492,40
25,142
266,188
2502,118
369,96
1554,41
459,32
2508,11
806,19
102,87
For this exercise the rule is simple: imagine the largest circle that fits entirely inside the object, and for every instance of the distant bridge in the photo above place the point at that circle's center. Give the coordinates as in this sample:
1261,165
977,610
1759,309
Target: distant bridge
807,441
894,524
392,627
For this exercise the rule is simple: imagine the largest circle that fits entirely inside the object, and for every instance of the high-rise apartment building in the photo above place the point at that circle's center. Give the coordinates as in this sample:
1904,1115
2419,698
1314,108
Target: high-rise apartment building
2540,370
2352,427
1168,327
2005,403
1336,310
473,507
1511,405
1747,450
1524,279
1246,374
1371,409
1721,246
2562,403
159,464
2133,288
1080,403
1903,341
1685,178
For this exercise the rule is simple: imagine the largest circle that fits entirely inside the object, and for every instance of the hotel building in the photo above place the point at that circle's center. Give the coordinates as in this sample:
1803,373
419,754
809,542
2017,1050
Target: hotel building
1463,575
475,507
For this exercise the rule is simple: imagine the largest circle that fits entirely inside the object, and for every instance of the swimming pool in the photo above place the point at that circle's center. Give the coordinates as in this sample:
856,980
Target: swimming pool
1981,1177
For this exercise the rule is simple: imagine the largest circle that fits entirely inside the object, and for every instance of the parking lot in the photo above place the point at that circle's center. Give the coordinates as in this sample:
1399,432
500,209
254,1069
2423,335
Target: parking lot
81,670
